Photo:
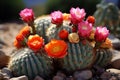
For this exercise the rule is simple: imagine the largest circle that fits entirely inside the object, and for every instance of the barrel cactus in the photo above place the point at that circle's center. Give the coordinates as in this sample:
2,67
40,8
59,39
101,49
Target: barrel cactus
26,62
107,14
104,57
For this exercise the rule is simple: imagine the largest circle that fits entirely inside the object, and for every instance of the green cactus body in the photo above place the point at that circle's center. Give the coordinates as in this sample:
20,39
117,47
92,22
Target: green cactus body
107,14
26,62
104,57
79,56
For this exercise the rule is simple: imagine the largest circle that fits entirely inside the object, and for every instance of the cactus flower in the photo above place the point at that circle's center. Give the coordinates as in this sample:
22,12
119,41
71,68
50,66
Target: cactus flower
63,34
27,15
77,15
17,44
73,38
35,42
101,34
84,29
106,44
91,19
56,48
20,37
25,31
56,17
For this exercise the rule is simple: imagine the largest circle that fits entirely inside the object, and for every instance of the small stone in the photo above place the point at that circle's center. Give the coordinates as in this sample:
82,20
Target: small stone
1,76
113,78
20,78
86,74
7,72
69,78
105,76
115,62
61,74
58,78
116,71
38,78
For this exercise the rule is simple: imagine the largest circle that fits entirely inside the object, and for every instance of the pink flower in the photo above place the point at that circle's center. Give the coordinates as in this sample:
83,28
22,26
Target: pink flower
101,34
27,15
84,29
57,17
77,15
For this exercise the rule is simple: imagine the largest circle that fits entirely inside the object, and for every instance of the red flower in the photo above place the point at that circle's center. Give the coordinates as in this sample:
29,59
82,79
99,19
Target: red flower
20,37
25,31
63,34
91,19
27,15
35,42
56,49
57,17
17,44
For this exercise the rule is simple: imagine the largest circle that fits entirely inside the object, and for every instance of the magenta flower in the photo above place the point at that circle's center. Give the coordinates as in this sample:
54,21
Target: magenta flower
84,29
57,17
27,15
101,34
77,15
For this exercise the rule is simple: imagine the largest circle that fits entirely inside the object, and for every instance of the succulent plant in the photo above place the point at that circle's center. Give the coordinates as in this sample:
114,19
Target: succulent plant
25,62
103,57
107,14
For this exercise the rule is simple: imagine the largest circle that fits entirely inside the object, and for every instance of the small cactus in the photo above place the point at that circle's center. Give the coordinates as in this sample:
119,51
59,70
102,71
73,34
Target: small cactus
104,57
107,14
26,62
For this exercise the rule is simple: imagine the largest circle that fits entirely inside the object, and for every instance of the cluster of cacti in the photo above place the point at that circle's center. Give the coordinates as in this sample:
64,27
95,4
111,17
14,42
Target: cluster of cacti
107,14
26,62
59,41
79,56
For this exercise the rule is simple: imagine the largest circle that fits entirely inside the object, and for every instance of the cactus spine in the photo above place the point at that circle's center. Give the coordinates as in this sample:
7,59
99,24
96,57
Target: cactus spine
26,62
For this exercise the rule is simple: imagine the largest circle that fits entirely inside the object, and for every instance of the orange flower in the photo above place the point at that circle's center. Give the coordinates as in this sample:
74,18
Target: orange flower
19,37
25,31
17,44
106,44
35,42
92,34
66,16
56,48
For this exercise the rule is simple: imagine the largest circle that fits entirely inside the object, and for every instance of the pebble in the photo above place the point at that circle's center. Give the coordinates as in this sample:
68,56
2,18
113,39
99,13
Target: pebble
86,74
38,78
20,78
113,78
58,78
105,76
7,71
112,70
115,62
61,74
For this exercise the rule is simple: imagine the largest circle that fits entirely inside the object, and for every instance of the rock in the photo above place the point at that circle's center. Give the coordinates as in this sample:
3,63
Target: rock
115,62
38,78
69,78
105,76
61,74
20,78
86,74
113,78
115,42
112,70
1,76
58,78
4,59
7,72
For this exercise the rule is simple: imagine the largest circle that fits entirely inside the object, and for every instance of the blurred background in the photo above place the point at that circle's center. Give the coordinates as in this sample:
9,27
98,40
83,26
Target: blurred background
10,8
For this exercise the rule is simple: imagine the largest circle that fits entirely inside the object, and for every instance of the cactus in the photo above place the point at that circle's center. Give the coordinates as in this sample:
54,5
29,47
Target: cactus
104,57
26,62
107,14
79,56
